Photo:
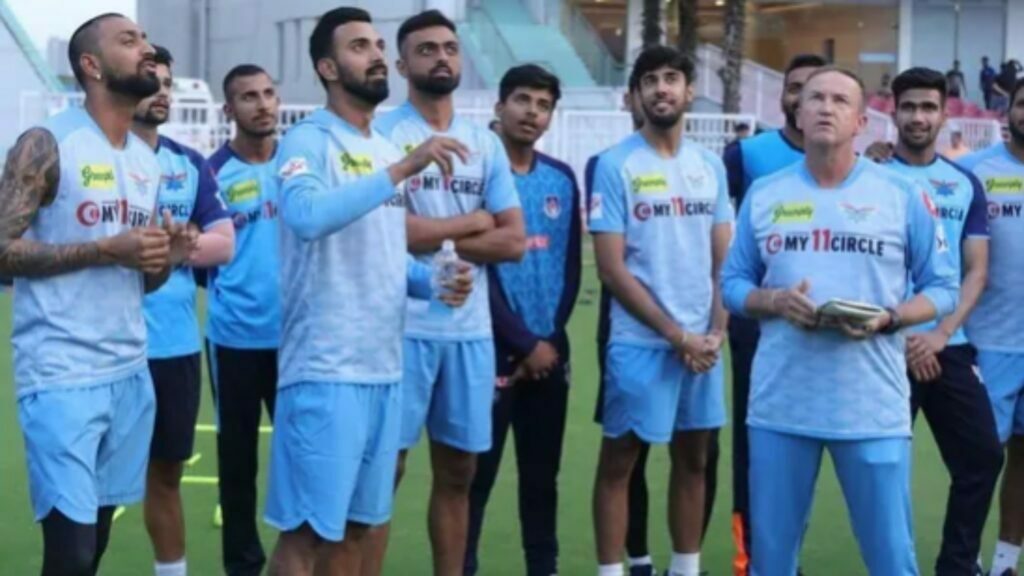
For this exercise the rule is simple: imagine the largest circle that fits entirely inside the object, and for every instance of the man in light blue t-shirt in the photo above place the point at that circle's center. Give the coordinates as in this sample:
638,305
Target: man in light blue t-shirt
448,382
834,226
189,192
996,327
345,277
662,222
79,235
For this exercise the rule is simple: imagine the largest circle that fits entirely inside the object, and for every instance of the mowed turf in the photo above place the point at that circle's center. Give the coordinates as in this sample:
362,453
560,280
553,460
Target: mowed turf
830,548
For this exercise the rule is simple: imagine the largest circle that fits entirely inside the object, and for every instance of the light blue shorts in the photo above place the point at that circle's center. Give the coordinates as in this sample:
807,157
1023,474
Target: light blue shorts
88,447
449,388
651,393
1003,376
333,456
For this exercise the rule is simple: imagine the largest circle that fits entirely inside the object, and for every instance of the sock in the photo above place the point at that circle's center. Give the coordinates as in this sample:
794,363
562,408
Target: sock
640,561
610,570
1006,558
685,564
171,568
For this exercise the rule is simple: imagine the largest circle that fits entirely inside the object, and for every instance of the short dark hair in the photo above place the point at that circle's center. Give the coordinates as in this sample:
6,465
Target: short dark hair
322,39
1017,87
804,61
421,21
162,56
84,39
845,72
656,57
919,78
240,71
529,76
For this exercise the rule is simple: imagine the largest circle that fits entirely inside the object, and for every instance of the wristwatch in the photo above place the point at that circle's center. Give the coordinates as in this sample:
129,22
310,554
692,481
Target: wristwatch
895,322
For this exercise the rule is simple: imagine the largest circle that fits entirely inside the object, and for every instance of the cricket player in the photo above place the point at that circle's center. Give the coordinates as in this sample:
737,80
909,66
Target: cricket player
746,161
662,222
996,327
188,191
79,234
243,317
449,359
344,284
944,377
531,302
834,226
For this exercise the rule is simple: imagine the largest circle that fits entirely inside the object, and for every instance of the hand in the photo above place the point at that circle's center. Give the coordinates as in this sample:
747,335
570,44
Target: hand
698,352
483,221
458,289
438,149
922,345
794,305
880,152
541,360
146,249
184,239
862,330
928,369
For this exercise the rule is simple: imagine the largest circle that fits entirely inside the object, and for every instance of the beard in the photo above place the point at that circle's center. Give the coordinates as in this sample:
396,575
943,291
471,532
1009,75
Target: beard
139,85
372,92
662,121
436,85
790,114
150,118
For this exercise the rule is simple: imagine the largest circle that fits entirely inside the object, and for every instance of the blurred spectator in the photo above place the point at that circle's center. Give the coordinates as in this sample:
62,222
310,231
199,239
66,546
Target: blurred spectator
986,79
955,81
957,146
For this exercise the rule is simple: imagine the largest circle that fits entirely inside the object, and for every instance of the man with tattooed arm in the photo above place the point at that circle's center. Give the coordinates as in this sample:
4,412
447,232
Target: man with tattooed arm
79,235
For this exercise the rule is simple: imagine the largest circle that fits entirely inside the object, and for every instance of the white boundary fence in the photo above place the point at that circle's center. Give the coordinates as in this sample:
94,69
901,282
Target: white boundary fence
574,135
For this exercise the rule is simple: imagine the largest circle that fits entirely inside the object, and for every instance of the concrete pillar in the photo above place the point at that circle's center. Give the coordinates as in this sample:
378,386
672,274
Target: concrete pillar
1014,39
904,56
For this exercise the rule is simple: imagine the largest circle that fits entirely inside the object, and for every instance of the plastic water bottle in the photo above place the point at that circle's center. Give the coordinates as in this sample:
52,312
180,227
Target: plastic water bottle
445,267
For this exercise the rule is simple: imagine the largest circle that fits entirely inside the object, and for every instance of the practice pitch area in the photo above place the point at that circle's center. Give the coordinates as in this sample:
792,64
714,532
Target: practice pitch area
829,548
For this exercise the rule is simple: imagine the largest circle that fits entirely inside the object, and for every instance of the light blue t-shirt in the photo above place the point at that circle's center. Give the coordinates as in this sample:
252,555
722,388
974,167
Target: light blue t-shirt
997,322
244,295
960,201
666,209
343,255
485,183
859,241
86,327
189,191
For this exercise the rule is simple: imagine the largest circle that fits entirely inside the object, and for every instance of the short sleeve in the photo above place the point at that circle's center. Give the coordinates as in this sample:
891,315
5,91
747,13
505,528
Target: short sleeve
607,210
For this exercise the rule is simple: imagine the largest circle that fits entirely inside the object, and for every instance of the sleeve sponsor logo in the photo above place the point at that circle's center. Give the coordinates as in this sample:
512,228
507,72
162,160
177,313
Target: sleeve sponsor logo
98,177
596,207
293,167
792,212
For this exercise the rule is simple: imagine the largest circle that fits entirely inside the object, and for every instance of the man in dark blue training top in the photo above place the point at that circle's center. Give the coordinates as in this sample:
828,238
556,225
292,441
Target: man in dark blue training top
531,302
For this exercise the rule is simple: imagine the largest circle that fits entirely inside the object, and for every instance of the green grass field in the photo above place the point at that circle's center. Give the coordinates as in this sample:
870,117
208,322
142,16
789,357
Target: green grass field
830,548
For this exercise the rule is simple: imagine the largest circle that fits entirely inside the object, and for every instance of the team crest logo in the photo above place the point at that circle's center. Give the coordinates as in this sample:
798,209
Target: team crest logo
857,213
944,188
552,207
695,180
174,181
141,182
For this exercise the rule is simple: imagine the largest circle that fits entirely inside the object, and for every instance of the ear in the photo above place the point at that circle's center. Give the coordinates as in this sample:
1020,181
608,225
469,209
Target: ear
498,107
90,66
229,113
688,97
402,68
328,69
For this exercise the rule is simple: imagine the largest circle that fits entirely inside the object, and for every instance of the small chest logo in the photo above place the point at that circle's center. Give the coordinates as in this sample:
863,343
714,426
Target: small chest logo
98,177
857,214
944,189
174,181
243,191
356,164
552,207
